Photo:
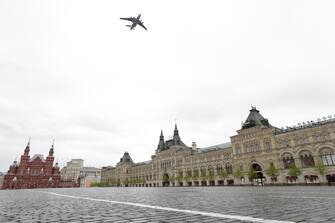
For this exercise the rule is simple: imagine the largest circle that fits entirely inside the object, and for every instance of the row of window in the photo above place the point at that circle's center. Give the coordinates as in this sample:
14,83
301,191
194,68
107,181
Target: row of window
307,160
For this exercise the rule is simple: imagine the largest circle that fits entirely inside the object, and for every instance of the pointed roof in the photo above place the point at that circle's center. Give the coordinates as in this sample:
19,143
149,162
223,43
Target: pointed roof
255,119
126,158
27,149
161,143
51,151
37,156
176,137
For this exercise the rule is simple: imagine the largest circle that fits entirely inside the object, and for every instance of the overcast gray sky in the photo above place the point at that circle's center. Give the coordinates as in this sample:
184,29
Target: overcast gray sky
72,71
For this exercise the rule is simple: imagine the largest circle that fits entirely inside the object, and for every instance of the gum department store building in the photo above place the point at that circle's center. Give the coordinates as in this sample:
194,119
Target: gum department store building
258,154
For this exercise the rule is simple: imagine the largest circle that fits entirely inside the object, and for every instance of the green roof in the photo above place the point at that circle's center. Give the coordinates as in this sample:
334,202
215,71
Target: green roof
255,119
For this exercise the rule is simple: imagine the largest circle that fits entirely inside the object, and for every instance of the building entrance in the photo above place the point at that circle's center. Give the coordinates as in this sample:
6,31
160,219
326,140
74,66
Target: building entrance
166,180
259,179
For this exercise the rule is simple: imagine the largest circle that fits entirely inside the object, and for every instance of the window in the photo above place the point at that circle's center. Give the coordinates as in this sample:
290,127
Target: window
218,169
267,145
306,140
306,159
229,168
328,157
288,160
237,149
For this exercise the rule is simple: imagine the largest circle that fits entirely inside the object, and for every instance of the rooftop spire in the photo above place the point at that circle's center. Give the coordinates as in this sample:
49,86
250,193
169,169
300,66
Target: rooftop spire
51,151
27,149
176,138
161,143
175,129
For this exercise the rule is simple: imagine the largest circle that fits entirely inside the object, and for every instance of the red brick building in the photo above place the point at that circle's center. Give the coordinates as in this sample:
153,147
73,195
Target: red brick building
35,172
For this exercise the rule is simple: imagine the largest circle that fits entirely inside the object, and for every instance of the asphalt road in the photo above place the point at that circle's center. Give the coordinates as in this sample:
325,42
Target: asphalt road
178,204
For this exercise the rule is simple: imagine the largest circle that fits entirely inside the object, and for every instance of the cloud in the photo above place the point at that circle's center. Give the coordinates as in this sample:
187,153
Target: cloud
100,90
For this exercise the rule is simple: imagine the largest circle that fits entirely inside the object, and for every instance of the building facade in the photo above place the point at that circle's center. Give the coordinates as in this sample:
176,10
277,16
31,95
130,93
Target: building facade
258,154
34,172
71,172
1,179
89,176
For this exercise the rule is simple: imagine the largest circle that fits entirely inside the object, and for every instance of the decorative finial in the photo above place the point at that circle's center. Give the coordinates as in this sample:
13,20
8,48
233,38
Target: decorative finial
28,144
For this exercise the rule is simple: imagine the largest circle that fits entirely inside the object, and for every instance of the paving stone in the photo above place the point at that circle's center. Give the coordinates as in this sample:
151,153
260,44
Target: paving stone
299,204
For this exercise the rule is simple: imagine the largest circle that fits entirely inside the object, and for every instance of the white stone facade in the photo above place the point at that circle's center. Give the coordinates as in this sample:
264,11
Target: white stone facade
259,154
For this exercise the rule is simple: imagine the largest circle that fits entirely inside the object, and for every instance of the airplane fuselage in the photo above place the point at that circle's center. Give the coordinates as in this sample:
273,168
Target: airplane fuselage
135,21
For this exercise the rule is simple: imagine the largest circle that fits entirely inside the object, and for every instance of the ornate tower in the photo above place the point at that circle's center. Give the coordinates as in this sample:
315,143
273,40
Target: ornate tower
25,159
176,137
50,160
161,144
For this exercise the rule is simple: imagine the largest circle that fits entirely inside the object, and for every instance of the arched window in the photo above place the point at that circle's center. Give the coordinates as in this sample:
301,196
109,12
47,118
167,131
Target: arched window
210,170
237,148
203,172
195,173
189,173
306,159
229,168
288,160
218,168
327,156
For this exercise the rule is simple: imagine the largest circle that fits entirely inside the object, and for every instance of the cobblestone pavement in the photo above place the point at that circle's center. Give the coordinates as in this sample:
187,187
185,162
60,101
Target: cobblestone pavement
296,204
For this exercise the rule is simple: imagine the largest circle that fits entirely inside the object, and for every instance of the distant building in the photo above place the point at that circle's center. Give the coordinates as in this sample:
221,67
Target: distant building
70,173
34,172
258,154
1,179
88,176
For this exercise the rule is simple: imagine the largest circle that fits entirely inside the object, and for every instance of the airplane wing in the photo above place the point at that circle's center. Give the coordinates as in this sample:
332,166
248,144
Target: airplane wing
129,19
141,24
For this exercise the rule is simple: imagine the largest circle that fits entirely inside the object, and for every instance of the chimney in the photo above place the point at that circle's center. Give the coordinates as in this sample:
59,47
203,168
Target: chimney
194,146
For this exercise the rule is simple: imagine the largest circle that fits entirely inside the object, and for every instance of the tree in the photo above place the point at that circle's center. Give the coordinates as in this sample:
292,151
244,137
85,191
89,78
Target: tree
272,172
321,168
223,174
172,179
125,182
203,174
211,174
239,174
195,176
113,182
294,171
180,177
252,174
187,177
165,178
101,184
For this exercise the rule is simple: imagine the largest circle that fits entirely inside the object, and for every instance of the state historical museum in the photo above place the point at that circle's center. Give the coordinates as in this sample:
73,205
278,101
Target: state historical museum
35,172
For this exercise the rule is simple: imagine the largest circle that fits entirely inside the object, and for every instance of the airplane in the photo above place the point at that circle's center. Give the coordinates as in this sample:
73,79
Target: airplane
135,21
